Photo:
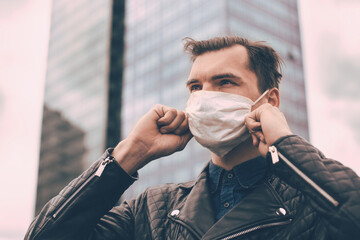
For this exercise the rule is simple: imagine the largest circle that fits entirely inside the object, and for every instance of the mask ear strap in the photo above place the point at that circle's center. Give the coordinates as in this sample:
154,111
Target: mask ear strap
262,95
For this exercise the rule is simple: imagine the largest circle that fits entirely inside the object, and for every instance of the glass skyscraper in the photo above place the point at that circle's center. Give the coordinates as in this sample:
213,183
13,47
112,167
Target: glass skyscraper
77,67
83,90
156,68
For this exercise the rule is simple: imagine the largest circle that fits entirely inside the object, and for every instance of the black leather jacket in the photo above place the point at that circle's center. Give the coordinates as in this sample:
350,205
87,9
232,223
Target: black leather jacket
305,196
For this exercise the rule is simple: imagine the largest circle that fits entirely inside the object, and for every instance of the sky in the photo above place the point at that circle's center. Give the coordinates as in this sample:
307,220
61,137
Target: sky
24,32
330,40
330,37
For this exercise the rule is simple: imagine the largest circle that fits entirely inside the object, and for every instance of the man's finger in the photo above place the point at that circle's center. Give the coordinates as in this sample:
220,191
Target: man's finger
254,116
168,117
185,138
251,123
174,124
255,140
184,126
259,135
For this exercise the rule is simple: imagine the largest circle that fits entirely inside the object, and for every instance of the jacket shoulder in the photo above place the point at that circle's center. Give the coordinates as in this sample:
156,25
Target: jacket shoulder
169,190
162,197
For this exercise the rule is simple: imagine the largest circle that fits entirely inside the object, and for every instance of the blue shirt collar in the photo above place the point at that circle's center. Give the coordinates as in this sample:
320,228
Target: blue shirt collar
247,173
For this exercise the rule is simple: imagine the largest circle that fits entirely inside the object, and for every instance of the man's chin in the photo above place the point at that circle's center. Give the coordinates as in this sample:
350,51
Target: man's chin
232,152
242,148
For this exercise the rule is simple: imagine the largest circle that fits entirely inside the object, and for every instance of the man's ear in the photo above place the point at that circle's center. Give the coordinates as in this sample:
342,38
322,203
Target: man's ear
274,97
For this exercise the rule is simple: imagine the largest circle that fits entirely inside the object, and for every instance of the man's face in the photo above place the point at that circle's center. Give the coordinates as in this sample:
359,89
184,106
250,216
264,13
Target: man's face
225,70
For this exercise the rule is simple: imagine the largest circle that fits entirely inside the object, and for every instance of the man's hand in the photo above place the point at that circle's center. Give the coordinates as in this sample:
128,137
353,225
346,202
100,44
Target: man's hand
266,124
160,132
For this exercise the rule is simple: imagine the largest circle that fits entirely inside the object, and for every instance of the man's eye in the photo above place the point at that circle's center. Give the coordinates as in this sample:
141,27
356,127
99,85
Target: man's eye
195,88
225,82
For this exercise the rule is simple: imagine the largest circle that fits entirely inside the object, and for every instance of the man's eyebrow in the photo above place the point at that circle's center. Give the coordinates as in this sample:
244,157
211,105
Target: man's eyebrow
191,81
224,75
215,77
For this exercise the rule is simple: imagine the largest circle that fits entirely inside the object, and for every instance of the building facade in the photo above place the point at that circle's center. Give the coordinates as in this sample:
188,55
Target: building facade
156,68
77,67
83,87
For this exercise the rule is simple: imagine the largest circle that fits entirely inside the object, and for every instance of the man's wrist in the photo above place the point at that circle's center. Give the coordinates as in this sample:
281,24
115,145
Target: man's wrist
280,139
129,156
280,135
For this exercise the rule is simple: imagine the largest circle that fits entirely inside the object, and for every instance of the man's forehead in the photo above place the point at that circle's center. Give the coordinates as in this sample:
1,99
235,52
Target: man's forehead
232,57
235,50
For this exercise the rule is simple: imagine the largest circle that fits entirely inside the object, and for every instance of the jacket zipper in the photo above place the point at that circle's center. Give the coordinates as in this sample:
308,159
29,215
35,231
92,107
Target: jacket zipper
186,226
98,173
177,230
275,158
256,228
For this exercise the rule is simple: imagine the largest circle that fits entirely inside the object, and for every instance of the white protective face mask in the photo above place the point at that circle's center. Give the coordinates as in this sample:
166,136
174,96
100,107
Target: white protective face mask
217,119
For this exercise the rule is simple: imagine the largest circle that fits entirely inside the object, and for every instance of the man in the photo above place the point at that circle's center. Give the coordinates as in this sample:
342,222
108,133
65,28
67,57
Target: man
262,182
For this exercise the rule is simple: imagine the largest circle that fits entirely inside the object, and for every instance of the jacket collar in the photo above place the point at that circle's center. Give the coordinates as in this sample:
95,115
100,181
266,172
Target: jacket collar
247,174
197,214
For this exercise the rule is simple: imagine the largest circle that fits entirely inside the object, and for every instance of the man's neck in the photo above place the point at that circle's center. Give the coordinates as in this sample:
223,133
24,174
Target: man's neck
242,153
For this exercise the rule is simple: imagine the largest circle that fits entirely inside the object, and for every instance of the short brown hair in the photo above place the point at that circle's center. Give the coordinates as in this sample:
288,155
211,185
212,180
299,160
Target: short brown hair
263,59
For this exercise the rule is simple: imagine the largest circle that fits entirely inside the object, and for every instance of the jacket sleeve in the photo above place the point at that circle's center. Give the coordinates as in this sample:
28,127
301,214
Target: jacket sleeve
333,189
76,211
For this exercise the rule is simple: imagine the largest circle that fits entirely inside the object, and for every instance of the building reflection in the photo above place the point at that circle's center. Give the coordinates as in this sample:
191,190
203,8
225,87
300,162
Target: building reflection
62,152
